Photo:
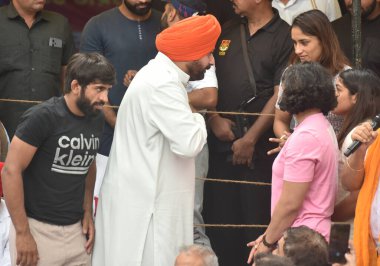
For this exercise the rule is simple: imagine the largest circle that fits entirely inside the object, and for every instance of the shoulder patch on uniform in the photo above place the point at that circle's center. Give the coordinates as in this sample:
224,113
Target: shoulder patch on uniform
224,45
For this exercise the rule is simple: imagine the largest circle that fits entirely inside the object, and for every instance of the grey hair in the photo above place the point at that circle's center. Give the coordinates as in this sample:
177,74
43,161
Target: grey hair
206,253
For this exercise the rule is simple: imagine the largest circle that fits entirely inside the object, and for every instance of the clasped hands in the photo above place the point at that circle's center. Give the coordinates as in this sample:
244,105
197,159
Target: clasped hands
242,148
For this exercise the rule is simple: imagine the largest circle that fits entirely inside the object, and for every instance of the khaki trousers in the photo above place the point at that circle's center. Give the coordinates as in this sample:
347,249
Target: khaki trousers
57,245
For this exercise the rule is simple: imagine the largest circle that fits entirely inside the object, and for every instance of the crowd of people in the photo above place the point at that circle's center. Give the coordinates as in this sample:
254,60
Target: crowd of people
142,140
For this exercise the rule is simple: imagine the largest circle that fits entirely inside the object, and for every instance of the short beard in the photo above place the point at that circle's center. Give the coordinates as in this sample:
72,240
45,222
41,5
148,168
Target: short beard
366,13
138,11
85,106
196,72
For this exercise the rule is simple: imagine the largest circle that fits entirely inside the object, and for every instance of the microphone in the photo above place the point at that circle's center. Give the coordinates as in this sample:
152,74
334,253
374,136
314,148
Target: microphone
375,124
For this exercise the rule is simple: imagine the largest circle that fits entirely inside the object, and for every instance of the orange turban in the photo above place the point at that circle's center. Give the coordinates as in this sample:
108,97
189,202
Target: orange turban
189,39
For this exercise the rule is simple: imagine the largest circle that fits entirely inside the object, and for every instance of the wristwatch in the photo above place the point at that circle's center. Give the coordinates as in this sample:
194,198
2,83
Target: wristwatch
269,245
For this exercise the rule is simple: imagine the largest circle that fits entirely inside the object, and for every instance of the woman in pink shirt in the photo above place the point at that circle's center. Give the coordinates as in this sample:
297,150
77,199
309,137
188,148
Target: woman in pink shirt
304,176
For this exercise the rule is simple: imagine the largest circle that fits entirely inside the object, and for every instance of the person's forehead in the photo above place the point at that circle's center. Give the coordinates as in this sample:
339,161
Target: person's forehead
188,260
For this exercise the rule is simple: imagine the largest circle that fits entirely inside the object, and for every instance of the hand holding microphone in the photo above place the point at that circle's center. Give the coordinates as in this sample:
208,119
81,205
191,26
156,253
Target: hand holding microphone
363,134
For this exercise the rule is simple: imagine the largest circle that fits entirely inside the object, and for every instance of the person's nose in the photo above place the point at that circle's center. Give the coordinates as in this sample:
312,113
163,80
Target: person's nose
212,59
103,96
297,49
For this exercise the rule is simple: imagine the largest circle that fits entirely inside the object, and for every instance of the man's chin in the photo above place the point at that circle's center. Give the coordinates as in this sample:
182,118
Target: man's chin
199,76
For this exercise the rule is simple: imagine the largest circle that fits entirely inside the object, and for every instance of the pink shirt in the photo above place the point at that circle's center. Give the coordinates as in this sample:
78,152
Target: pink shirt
310,155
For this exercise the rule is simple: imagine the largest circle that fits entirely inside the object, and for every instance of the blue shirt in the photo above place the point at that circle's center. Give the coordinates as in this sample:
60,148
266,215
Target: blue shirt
127,44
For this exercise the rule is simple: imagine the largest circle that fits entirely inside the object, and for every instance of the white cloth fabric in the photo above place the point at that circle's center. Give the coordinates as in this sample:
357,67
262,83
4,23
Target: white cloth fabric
201,162
5,223
150,173
375,217
101,164
295,7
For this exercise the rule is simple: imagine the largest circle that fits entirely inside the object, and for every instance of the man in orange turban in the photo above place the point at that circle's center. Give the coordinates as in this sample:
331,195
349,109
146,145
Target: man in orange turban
145,212
190,40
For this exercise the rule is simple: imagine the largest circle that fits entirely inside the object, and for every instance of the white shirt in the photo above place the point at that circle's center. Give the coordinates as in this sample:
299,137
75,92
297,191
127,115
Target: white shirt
150,176
375,217
295,7
5,223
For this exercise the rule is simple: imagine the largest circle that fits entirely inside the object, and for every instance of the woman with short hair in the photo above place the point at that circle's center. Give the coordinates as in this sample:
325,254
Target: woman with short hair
305,171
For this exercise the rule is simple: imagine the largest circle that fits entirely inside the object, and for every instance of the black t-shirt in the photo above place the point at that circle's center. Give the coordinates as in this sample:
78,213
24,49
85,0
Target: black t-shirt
370,40
54,181
269,50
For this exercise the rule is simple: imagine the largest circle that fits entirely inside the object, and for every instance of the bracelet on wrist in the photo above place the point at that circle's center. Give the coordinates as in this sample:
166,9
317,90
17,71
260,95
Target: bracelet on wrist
349,166
269,245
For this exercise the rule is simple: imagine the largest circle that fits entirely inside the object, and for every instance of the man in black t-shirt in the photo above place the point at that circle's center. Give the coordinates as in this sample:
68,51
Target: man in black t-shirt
242,154
49,173
370,33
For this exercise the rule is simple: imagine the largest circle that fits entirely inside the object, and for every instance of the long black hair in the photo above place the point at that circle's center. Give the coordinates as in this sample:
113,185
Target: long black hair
365,84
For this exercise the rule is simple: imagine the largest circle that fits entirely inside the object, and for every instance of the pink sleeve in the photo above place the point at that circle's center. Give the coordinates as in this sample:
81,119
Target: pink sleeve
301,156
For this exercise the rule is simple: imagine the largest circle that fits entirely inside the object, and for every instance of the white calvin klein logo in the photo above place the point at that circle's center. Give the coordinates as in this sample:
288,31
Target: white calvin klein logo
72,155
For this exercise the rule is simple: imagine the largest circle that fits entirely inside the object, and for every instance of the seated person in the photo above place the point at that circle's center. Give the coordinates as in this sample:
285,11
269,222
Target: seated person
304,246
196,255
269,259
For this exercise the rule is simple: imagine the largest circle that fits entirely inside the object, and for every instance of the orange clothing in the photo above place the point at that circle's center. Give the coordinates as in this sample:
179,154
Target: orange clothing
363,240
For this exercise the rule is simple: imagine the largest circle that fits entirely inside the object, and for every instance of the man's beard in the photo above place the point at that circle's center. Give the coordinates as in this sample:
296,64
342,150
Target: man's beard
137,10
86,107
196,72
365,13
164,22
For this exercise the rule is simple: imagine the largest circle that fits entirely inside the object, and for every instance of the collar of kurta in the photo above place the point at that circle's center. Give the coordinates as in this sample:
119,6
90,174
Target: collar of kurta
184,78
13,14
289,4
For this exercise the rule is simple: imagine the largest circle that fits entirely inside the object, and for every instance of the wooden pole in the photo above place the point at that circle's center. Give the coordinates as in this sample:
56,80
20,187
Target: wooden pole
356,34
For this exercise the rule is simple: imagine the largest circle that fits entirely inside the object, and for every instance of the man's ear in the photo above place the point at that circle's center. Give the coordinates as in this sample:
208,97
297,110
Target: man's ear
75,87
173,15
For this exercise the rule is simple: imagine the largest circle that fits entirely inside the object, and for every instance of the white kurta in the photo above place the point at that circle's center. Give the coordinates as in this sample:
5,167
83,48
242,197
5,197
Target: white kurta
295,7
149,180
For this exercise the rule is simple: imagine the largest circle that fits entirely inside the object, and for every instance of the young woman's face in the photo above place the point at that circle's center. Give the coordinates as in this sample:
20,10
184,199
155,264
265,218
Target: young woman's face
307,48
346,100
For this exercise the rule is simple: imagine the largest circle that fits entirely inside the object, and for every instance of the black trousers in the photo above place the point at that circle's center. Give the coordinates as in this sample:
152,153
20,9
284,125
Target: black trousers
229,203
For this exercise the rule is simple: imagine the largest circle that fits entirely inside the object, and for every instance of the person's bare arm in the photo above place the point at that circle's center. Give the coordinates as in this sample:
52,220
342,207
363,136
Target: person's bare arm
352,172
281,122
87,222
19,156
205,98
221,127
345,209
109,115
284,214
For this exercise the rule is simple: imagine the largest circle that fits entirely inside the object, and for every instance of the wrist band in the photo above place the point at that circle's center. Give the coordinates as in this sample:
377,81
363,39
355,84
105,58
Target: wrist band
269,245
